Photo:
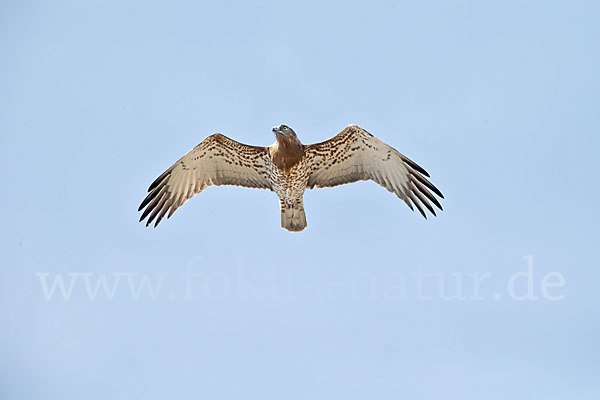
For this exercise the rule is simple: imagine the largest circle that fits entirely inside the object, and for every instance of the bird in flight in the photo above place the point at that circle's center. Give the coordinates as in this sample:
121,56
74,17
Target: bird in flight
288,167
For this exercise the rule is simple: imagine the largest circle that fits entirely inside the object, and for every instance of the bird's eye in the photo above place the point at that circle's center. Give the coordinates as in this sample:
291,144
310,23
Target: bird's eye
284,127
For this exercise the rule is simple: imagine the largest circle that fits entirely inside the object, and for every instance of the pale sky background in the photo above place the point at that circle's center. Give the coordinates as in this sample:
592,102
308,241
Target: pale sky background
498,100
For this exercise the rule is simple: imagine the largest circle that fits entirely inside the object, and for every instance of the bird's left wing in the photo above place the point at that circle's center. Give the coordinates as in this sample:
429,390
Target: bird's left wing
356,155
217,160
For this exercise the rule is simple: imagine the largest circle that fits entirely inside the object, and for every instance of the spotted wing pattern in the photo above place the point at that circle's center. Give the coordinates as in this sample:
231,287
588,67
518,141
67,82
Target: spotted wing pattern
217,160
356,155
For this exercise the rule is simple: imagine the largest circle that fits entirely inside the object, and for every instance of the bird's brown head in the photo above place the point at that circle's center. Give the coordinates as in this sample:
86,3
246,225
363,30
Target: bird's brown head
284,131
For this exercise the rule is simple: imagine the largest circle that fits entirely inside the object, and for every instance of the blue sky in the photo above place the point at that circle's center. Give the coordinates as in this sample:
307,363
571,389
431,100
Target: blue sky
497,100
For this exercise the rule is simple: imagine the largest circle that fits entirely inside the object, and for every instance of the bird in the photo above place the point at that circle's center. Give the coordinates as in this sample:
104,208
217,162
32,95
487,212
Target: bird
288,168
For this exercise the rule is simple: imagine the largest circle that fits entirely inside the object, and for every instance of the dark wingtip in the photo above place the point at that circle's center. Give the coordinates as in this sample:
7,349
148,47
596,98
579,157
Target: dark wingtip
158,180
419,207
425,182
415,166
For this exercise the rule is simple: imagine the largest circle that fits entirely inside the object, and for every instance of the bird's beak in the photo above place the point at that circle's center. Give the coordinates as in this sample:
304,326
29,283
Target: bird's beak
277,131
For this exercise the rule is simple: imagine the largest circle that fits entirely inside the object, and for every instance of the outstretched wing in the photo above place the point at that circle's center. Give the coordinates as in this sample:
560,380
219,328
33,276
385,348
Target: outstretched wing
217,160
356,155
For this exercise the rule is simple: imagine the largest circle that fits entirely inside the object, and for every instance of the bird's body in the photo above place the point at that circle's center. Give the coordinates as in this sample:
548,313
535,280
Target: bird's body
288,168
288,174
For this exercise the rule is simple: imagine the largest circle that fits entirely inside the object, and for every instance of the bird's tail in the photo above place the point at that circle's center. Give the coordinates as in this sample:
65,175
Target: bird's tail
292,216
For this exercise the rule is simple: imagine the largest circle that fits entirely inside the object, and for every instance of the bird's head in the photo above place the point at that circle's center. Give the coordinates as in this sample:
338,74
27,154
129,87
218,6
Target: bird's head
284,130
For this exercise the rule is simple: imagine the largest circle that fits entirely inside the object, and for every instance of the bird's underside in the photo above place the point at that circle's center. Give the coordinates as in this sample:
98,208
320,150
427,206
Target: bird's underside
287,168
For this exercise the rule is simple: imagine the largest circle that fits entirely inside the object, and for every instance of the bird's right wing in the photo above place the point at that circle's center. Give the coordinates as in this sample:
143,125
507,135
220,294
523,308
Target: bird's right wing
356,155
217,160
